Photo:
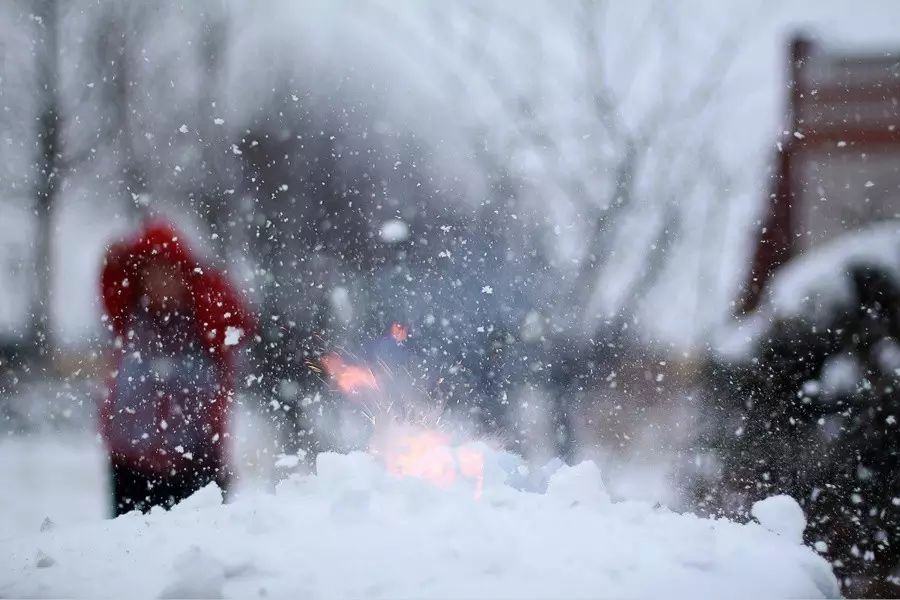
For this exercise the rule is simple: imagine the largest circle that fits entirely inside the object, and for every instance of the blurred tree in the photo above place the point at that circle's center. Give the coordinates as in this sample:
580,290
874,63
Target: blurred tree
601,134
48,166
95,89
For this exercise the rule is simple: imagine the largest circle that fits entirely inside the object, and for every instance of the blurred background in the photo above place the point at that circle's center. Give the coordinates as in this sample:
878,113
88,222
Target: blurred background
660,236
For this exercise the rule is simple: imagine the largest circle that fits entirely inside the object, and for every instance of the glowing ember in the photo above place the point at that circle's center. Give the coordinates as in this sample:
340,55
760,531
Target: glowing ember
350,379
406,450
428,455
424,455
399,332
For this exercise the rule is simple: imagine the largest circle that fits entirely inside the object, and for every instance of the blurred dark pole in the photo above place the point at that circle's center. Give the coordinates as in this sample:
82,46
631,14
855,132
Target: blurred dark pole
775,244
45,188
123,76
213,202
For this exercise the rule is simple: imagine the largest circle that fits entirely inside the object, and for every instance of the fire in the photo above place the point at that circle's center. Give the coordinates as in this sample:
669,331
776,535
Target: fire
407,450
350,379
399,332
428,454
424,455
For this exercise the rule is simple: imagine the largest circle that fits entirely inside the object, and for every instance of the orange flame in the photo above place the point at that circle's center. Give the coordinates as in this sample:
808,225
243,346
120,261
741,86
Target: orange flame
407,452
399,332
428,455
424,455
350,379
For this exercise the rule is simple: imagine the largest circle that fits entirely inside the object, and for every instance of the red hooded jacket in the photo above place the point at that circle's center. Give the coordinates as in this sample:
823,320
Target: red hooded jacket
214,308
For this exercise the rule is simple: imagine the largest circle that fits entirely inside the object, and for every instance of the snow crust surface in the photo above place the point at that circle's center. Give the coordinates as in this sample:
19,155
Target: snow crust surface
354,530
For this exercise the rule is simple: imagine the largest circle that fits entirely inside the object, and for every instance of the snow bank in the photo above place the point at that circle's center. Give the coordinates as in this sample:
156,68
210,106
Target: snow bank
816,284
355,531
782,515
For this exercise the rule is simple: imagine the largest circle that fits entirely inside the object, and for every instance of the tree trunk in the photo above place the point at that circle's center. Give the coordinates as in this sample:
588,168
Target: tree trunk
45,188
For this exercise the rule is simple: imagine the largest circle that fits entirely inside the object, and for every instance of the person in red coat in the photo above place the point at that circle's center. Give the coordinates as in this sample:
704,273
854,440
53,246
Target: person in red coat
176,324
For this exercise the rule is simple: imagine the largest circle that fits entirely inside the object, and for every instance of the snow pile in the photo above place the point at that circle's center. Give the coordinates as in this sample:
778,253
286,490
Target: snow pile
814,284
355,531
782,515
817,284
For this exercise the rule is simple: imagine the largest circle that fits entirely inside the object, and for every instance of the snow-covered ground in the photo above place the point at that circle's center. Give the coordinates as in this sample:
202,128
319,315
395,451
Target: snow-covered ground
61,476
57,471
353,530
